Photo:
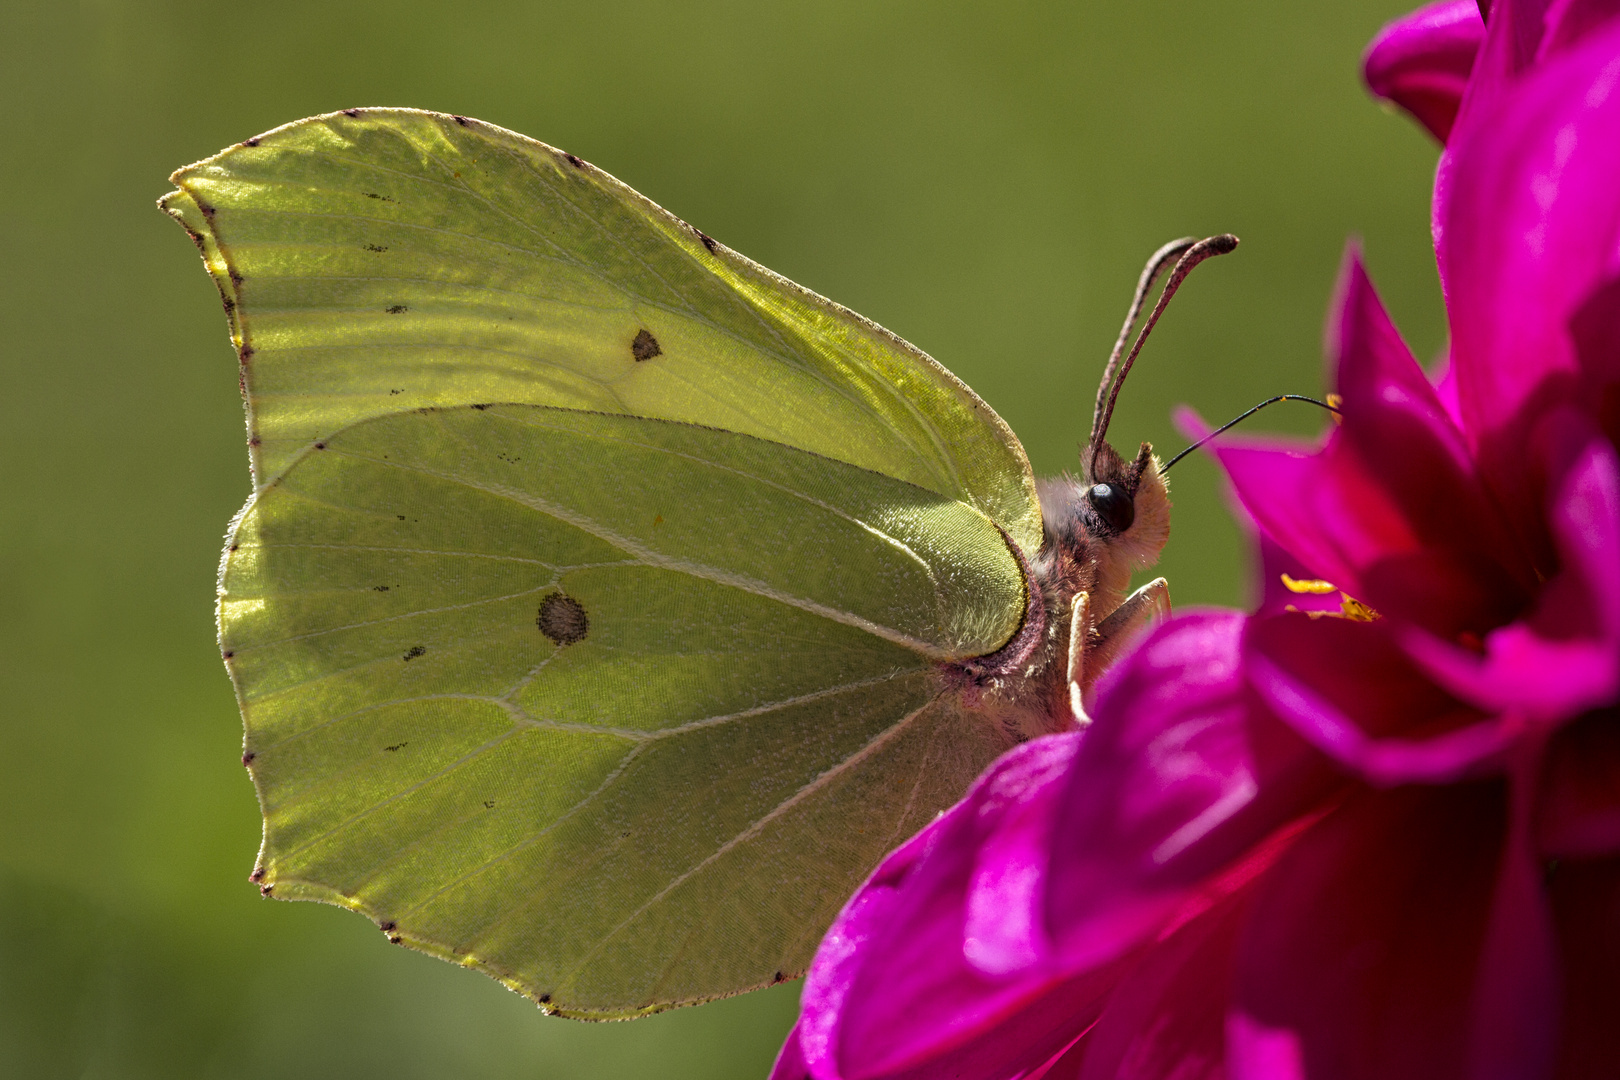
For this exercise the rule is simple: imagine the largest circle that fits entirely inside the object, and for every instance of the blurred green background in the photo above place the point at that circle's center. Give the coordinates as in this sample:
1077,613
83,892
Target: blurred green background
985,179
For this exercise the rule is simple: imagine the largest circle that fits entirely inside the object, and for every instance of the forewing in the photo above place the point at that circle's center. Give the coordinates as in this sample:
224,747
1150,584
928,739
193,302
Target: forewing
383,259
617,710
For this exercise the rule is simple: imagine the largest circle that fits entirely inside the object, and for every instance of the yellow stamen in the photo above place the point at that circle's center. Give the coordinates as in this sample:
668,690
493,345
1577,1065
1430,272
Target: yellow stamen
1351,608
1309,585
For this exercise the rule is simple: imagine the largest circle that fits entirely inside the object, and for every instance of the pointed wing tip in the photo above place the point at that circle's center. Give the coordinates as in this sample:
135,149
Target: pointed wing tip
166,203
394,113
180,175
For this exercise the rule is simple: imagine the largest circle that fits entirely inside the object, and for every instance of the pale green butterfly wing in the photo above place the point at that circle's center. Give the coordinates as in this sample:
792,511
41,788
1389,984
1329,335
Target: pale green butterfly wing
617,710
673,806
383,259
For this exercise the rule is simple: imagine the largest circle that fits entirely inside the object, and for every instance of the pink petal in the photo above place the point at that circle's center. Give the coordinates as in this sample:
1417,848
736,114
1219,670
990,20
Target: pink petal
1512,38
1002,932
1402,434
1349,690
891,990
1178,777
1275,596
1565,657
1444,378
1272,559
1166,1019
1596,330
1515,1007
1569,22
1391,510
790,1059
1322,508
1358,961
1513,34
1579,815
1263,1053
1421,61
1585,899
1523,35
1065,1064
1532,228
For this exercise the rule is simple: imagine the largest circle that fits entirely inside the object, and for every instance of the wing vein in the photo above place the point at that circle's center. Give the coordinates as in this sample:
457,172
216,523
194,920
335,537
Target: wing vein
618,770
877,743
649,557
244,649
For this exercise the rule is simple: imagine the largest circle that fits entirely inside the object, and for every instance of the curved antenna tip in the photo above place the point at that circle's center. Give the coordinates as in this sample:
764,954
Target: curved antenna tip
1187,256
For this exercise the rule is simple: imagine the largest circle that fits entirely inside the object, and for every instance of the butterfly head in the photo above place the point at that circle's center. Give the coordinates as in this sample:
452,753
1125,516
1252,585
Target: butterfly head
1116,513
1124,505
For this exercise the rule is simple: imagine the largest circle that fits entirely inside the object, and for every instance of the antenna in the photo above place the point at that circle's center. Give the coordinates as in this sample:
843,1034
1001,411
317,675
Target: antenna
1187,255
1150,273
1332,408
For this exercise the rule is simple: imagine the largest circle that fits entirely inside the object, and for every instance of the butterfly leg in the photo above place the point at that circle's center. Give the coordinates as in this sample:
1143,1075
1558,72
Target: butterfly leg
1143,609
1092,654
1079,638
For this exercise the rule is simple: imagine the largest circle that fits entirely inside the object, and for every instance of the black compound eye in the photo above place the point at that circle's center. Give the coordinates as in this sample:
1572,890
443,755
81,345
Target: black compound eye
1116,508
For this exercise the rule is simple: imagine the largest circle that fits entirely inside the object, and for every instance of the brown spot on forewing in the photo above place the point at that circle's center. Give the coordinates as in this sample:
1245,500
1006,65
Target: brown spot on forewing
645,346
562,619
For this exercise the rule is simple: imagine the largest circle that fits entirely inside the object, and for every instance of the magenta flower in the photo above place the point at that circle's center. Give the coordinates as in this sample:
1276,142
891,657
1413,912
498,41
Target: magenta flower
1373,829
1421,61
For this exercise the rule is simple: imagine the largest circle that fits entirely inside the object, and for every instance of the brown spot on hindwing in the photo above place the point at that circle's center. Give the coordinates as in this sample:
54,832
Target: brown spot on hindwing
645,347
562,619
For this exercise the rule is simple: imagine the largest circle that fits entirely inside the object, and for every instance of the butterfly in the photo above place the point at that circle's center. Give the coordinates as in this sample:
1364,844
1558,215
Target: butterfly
607,605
